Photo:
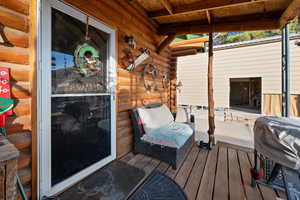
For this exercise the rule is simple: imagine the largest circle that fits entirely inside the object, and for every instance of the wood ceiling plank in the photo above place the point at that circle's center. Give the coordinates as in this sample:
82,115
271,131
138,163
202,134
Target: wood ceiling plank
167,5
290,13
208,16
237,26
200,6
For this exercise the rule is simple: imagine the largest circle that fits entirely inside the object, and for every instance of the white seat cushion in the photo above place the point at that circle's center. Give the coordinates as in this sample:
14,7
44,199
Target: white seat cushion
154,118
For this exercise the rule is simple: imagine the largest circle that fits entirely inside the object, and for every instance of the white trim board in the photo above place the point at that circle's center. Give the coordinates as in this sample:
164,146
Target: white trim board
44,96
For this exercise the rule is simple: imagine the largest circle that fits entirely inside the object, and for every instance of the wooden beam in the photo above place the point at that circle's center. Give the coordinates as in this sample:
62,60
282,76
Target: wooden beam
167,5
185,52
201,6
211,103
208,16
165,43
290,13
237,26
190,41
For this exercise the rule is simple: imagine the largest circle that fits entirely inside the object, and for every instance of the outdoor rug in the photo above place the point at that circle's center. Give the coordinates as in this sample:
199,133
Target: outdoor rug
113,182
159,186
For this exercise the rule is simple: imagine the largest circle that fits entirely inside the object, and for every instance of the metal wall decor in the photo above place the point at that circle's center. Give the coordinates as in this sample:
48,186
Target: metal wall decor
5,41
130,41
150,69
165,80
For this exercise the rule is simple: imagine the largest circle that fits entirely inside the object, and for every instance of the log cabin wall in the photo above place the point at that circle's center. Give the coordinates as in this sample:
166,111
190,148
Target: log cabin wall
19,20
17,52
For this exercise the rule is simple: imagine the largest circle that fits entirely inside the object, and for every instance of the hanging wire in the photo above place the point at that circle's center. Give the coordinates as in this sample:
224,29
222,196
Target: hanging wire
87,28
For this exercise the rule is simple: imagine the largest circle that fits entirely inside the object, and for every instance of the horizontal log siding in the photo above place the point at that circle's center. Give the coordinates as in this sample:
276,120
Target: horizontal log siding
14,15
129,21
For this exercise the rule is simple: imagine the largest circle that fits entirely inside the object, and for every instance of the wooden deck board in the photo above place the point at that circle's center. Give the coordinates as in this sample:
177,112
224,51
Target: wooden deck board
251,193
185,170
162,167
221,182
207,183
236,190
222,173
172,172
267,193
193,183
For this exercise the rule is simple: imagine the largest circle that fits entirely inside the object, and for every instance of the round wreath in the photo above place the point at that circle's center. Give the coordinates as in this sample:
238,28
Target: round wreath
150,69
87,59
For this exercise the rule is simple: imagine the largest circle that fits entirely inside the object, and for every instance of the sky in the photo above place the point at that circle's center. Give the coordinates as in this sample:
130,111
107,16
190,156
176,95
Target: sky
62,60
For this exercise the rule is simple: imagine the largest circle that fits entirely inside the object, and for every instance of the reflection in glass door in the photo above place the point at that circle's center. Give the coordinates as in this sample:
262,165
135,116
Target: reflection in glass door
78,101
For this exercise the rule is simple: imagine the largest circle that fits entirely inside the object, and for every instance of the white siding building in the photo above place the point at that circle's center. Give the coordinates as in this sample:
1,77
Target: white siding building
260,58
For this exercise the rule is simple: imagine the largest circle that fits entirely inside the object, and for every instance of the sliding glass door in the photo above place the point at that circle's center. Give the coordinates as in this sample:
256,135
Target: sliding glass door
77,101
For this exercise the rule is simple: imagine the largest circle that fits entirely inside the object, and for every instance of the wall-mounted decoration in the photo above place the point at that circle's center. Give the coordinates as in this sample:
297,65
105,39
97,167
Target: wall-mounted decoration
145,102
179,86
130,41
87,59
3,39
6,103
165,80
141,58
150,69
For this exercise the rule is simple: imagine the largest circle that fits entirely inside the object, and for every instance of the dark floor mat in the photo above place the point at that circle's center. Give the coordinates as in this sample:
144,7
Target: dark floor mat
114,182
159,186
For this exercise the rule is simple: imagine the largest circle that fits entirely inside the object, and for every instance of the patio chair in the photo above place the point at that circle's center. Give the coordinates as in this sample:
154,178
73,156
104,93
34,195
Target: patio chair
157,135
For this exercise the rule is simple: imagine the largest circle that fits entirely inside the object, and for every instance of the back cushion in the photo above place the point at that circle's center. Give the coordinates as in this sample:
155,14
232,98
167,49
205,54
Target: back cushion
154,118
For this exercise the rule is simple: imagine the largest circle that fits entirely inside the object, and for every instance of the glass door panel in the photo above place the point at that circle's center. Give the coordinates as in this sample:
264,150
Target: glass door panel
68,35
80,100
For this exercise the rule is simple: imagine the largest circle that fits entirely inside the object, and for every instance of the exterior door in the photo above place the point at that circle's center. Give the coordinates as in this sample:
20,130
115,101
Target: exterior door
77,96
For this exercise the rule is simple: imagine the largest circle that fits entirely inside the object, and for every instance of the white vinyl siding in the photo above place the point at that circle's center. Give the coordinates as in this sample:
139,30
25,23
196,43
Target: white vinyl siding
262,60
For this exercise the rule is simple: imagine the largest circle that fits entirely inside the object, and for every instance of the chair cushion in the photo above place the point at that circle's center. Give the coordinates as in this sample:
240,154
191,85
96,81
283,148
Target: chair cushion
154,118
172,135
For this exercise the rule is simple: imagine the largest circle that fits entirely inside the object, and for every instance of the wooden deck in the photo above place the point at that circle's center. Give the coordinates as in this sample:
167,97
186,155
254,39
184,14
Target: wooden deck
222,173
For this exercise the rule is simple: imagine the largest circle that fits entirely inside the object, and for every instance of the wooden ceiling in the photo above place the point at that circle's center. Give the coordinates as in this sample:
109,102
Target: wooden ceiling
179,17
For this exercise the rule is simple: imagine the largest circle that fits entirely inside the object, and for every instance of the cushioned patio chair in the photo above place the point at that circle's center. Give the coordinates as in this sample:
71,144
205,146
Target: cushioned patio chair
157,135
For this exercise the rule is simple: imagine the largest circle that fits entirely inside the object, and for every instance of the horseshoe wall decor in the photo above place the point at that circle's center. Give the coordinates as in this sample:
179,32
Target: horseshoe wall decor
5,42
165,80
150,69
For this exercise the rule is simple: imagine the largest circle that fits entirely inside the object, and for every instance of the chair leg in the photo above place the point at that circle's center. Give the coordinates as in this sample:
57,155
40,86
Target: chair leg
174,166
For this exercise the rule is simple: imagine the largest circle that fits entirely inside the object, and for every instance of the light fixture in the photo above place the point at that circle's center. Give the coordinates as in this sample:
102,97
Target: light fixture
130,41
179,86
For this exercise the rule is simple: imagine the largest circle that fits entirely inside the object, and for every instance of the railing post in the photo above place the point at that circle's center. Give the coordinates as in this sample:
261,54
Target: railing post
211,104
285,73
8,170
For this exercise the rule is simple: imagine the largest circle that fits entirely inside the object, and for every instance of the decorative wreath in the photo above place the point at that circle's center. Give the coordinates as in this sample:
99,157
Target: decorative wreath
87,60
165,80
150,69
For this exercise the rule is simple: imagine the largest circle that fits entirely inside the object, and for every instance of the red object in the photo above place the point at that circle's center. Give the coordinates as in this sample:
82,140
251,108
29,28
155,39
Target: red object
3,118
4,92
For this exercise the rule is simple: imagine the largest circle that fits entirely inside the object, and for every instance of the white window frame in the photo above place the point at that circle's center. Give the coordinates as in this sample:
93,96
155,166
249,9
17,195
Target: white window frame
44,96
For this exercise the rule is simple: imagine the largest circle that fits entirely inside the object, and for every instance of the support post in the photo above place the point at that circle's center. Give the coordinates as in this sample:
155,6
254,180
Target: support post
211,104
285,73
